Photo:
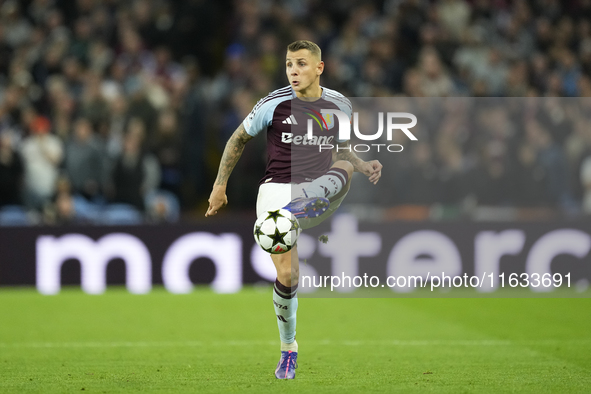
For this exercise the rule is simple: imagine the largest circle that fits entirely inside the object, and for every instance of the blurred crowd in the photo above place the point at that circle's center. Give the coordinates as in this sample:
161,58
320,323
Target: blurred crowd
526,156
118,110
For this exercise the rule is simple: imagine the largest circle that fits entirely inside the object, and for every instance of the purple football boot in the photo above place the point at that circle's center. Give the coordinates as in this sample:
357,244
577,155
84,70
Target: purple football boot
287,365
307,207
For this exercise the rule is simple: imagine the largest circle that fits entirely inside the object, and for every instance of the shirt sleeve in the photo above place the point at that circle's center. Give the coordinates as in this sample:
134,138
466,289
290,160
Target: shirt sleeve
259,118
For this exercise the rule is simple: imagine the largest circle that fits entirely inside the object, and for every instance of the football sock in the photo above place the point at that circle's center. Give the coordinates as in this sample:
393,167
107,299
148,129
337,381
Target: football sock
285,302
328,185
286,347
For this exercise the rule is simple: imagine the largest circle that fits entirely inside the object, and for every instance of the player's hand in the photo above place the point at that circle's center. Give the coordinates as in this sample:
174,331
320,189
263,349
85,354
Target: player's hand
217,200
373,169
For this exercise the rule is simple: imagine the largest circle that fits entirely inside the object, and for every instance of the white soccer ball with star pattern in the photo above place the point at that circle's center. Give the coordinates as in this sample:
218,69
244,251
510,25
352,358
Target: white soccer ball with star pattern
276,231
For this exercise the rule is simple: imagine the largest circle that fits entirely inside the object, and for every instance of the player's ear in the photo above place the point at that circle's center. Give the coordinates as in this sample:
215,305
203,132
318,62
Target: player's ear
320,68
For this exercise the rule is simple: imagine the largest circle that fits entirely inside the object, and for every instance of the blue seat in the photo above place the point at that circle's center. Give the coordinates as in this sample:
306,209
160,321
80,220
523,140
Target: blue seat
121,214
86,211
14,215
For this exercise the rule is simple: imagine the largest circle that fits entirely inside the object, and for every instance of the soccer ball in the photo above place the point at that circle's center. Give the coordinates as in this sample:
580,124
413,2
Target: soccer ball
276,231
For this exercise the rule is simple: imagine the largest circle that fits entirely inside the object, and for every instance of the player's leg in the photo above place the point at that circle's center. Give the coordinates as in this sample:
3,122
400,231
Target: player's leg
285,302
284,295
271,197
288,267
335,201
332,182
313,200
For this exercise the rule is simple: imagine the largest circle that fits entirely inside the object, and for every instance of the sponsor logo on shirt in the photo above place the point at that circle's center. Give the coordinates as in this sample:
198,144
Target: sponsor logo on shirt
289,138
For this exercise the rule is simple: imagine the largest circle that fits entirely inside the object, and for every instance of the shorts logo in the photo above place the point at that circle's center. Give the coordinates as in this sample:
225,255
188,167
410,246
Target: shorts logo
289,138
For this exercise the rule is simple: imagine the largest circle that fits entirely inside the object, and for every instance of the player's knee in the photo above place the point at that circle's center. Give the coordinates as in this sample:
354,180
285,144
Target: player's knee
345,165
285,271
285,276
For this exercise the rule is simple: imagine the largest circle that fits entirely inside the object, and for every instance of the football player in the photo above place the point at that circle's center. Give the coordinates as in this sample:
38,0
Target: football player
301,176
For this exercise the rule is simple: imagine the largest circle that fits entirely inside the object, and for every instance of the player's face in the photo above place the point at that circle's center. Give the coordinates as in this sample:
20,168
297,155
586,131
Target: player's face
302,69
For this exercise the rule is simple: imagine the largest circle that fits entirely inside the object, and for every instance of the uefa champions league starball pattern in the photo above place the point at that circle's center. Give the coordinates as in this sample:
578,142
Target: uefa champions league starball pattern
276,231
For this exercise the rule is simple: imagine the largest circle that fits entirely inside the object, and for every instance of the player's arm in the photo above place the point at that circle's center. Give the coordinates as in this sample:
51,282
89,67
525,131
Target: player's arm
232,152
371,169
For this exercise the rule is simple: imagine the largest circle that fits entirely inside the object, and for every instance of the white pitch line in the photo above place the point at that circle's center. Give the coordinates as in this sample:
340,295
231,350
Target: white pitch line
326,342
132,344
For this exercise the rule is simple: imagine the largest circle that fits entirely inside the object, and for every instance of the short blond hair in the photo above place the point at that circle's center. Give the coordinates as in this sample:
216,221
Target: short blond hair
305,44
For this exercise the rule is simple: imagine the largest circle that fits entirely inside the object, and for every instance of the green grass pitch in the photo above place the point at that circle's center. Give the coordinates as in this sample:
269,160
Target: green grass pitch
205,342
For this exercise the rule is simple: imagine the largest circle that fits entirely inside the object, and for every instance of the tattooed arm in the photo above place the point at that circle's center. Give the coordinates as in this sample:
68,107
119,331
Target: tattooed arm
372,168
232,152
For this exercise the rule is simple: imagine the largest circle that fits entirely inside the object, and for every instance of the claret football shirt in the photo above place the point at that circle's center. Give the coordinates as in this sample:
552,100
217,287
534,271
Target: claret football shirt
291,155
